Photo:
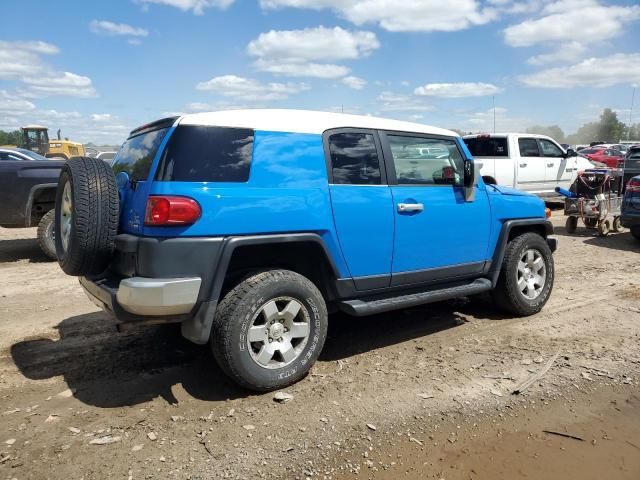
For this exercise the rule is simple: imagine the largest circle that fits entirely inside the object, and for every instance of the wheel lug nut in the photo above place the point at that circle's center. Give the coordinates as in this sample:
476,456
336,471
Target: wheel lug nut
280,339
270,339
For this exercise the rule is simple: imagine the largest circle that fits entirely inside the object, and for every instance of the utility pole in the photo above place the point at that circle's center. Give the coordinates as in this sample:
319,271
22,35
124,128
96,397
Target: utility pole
494,114
633,97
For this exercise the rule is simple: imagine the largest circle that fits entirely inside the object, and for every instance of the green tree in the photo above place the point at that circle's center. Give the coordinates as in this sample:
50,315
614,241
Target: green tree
610,129
553,131
11,138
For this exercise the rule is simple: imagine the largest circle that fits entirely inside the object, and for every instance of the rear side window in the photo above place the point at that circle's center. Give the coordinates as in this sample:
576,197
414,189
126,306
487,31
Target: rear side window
137,153
207,154
487,147
528,147
354,159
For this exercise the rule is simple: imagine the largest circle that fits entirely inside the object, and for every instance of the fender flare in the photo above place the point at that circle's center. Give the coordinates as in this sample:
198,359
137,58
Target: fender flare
198,327
503,239
32,194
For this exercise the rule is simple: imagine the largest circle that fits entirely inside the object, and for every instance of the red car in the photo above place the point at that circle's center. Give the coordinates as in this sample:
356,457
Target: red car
611,158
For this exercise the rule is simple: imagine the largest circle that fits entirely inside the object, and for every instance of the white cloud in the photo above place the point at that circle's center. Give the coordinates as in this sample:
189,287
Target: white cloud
23,58
197,6
217,106
300,69
104,27
249,89
356,83
311,52
582,21
396,102
569,52
483,121
457,90
593,72
60,84
401,16
11,104
101,117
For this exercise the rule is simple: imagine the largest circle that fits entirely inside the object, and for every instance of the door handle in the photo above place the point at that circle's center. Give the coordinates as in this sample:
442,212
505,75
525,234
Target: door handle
410,207
522,165
550,164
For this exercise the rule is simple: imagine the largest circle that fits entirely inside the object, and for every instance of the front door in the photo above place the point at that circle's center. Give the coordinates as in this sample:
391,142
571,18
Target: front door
531,166
438,235
559,168
362,205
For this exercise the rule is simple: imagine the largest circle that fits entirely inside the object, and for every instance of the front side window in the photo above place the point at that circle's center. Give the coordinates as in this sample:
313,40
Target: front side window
549,149
528,147
137,153
207,154
354,159
426,161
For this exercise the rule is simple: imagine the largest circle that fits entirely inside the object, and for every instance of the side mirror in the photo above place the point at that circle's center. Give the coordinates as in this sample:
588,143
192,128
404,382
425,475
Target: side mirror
469,181
571,153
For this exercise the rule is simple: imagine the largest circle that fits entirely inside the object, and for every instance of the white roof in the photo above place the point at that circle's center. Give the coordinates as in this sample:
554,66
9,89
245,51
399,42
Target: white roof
302,121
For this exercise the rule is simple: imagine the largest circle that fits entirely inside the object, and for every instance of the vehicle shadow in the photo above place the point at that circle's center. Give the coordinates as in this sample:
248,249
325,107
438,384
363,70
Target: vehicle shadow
108,369
615,241
13,250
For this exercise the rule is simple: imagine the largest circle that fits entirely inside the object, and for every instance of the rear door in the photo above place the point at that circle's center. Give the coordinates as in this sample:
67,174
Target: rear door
438,235
362,204
558,169
531,165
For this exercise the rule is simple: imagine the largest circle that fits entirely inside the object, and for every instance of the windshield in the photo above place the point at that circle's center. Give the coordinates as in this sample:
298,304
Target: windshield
137,153
32,155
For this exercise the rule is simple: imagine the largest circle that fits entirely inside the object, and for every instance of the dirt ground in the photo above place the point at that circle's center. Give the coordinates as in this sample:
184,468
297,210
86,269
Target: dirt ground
422,393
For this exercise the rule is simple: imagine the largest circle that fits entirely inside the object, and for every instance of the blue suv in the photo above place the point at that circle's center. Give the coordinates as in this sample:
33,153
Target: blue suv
250,227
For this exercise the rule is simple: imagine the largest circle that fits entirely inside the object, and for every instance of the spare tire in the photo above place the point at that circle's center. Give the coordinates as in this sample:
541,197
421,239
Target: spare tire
87,211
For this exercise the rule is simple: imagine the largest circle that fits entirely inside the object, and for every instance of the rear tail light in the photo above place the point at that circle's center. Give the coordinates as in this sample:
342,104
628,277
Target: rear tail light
633,185
547,212
171,211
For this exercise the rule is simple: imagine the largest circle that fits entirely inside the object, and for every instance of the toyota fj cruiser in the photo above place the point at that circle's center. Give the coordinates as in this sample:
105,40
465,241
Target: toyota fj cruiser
248,227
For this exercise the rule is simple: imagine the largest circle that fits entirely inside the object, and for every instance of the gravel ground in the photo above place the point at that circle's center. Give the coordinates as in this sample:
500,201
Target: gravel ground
426,392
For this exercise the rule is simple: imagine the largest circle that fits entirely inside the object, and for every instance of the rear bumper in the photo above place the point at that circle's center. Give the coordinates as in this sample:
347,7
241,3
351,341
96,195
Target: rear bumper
630,220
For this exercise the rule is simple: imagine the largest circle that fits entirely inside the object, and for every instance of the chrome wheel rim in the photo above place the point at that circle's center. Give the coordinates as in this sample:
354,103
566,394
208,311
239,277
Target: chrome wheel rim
65,215
532,274
278,332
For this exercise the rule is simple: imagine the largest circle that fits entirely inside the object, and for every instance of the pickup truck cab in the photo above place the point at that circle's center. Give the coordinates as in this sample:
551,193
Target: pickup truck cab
28,183
248,227
533,163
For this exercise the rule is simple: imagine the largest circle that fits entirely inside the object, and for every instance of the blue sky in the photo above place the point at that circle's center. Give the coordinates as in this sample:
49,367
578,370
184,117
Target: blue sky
98,69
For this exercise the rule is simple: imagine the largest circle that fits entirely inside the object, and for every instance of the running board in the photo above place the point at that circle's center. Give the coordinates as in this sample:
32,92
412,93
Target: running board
361,308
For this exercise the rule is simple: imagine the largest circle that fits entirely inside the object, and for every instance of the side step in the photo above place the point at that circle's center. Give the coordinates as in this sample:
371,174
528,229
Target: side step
361,308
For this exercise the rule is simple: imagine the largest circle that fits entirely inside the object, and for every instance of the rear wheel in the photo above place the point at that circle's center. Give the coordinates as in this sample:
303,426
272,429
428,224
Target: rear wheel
604,227
46,234
86,219
526,277
269,330
617,225
571,224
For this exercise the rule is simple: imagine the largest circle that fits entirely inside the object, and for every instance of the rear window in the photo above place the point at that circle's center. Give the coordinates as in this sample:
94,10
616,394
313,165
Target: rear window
487,147
207,154
137,153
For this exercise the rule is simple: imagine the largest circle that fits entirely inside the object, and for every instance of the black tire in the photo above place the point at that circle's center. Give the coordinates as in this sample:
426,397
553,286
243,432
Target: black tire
236,314
46,234
507,295
94,215
617,225
591,222
571,224
604,228
635,232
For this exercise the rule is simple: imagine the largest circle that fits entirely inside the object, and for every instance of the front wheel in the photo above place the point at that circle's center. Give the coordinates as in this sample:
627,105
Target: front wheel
526,277
269,330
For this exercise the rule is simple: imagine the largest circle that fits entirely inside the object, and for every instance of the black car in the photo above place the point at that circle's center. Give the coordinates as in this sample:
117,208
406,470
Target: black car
28,183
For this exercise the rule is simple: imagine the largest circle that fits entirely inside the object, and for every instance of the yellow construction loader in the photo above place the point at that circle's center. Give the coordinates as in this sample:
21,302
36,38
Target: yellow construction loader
36,138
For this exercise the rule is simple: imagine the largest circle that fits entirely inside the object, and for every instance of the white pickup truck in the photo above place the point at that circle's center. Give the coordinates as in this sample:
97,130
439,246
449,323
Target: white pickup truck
529,162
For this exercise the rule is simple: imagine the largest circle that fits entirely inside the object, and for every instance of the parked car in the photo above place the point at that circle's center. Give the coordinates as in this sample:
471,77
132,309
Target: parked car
534,163
610,157
248,227
28,184
631,163
631,207
106,156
